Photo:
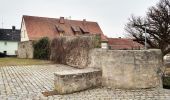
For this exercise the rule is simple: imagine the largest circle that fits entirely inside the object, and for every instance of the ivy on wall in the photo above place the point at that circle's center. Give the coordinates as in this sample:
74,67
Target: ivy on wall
42,48
97,41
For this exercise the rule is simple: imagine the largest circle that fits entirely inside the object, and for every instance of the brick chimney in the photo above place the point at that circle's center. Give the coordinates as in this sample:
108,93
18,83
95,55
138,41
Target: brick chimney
61,20
13,28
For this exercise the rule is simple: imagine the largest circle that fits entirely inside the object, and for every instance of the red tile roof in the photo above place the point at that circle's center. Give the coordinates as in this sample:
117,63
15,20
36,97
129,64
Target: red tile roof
123,43
38,27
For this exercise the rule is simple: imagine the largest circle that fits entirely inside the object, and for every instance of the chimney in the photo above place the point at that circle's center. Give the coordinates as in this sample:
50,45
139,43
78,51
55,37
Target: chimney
84,21
13,28
61,20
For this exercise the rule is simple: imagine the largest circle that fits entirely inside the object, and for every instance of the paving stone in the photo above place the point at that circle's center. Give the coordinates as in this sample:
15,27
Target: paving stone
28,83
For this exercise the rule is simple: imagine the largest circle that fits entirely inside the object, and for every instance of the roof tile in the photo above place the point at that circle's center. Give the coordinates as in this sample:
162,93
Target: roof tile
122,43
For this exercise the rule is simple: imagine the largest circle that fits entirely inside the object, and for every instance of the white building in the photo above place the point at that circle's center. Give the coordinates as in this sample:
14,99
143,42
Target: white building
9,39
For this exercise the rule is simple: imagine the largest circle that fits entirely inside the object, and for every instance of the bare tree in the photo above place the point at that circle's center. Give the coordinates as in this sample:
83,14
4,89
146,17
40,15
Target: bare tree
157,25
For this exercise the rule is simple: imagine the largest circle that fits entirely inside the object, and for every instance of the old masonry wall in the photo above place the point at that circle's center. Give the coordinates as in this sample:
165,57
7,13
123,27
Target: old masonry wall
128,69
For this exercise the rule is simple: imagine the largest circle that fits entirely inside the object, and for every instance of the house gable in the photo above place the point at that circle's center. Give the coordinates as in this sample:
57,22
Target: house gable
24,35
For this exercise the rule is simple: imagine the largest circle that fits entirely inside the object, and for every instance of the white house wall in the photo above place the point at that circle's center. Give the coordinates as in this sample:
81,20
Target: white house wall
104,45
10,47
24,35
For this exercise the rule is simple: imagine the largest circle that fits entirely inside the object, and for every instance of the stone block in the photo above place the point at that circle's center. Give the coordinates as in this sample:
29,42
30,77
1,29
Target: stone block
77,80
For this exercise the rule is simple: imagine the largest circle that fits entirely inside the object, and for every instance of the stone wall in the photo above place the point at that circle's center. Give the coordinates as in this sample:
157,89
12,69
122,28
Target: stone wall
128,69
72,50
25,49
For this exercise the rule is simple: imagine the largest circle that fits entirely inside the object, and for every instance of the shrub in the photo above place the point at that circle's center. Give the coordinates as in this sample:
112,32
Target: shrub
97,41
41,49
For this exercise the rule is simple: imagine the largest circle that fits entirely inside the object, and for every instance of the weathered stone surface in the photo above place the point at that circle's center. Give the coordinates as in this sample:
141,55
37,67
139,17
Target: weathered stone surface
129,69
25,49
77,80
72,50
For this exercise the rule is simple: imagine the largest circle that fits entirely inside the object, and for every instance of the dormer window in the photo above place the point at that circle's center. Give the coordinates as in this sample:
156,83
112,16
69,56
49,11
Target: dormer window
60,30
76,29
84,30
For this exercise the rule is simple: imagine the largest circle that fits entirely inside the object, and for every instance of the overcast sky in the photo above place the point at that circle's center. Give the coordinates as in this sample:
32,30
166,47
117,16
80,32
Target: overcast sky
111,15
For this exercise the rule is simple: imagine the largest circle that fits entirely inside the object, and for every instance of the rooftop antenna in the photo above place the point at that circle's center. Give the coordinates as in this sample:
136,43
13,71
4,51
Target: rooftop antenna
70,17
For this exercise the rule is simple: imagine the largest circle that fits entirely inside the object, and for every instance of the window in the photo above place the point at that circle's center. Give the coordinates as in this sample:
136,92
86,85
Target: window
5,43
84,30
76,29
61,33
60,30
22,36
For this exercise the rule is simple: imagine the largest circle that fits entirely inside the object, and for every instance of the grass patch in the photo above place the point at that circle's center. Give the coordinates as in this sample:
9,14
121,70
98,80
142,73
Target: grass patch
9,61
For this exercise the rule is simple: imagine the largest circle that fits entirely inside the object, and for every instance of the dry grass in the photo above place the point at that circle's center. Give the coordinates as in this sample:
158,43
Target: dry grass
9,61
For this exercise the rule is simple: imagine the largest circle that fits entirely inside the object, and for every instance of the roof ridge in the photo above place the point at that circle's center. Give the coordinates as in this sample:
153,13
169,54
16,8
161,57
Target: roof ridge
9,29
58,18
